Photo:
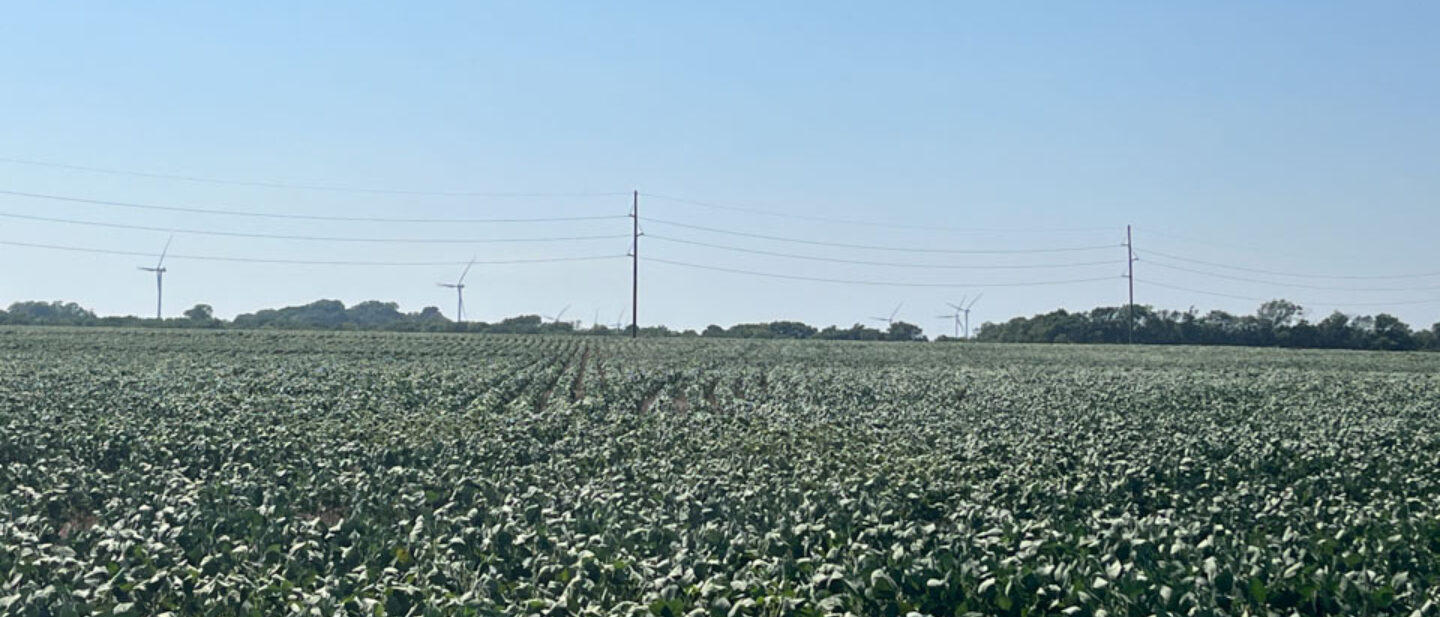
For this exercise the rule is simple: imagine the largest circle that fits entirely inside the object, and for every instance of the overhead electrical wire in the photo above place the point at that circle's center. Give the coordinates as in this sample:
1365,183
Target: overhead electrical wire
1293,274
311,262
661,221
871,247
305,217
1208,293
240,234
845,221
1225,245
873,283
298,186
1284,284
887,264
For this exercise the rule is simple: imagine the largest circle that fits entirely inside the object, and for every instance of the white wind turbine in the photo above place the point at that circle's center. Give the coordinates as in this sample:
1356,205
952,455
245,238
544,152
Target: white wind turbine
159,271
955,317
459,287
966,311
556,318
890,321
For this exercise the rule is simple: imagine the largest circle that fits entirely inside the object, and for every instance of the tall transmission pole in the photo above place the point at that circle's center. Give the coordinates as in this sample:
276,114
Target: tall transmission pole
1130,274
635,265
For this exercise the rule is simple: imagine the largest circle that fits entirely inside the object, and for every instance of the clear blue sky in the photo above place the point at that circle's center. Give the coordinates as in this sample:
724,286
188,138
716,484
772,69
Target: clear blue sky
1294,137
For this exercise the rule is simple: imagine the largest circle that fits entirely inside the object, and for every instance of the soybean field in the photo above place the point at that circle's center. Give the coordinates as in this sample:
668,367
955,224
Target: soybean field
260,473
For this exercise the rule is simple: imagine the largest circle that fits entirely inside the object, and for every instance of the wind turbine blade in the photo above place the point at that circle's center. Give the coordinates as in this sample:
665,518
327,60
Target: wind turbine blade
955,306
562,312
467,270
977,299
896,311
163,252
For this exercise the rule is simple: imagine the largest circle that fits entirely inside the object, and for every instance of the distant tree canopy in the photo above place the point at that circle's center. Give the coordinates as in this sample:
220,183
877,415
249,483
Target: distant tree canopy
898,331
200,312
49,313
376,315
1277,323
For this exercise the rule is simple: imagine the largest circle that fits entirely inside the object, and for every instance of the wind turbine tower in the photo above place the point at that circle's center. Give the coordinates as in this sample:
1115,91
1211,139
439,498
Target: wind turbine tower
159,271
459,287
966,310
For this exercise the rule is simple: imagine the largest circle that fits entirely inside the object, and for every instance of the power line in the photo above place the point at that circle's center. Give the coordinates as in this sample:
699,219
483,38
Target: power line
310,262
886,263
238,234
1255,299
1283,284
1213,243
296,186
880,248
874,283
1293,274
1198,291
845,221
303,217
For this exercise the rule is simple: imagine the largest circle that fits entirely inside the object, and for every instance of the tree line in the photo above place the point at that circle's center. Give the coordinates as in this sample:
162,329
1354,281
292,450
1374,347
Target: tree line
1278,323
318,315
376,315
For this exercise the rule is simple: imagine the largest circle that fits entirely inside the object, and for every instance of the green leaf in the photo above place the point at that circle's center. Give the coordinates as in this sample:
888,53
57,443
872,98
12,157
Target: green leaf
1225,582
1258,592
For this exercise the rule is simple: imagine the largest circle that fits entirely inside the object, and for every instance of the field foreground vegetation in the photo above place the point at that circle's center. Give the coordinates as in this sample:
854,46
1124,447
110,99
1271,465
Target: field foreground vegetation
260,473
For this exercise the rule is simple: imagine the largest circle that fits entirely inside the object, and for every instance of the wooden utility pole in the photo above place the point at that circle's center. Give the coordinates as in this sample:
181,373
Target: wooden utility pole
1130,274
635,265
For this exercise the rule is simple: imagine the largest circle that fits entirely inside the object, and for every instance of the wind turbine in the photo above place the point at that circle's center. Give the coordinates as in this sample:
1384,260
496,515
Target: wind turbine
955,316
459,287
620,320
890,321
556,318
966,311
159,271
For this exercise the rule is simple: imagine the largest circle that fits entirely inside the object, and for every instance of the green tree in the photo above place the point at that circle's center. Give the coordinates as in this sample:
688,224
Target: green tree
902,331
200,313
374,314
1279,313
791,329
1391,333
55,313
